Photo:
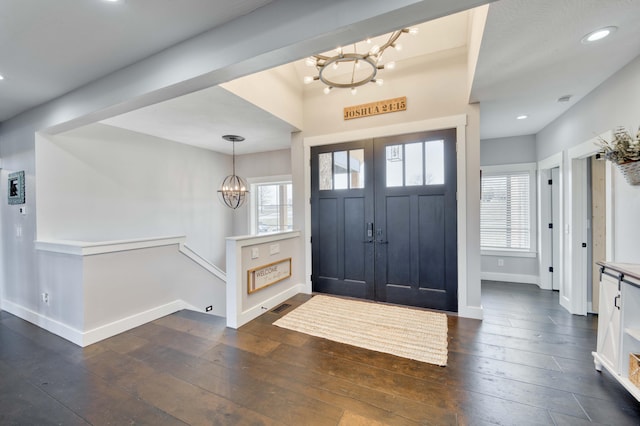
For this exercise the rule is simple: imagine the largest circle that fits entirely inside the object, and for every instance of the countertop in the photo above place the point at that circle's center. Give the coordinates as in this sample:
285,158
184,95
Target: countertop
629,270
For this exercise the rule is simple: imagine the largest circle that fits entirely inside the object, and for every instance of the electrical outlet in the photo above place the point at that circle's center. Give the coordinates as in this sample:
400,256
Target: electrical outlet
208,308
500,262
45,298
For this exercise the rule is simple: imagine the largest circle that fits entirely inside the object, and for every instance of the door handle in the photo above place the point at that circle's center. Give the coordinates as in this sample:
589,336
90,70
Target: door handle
369,232
379,235
615,301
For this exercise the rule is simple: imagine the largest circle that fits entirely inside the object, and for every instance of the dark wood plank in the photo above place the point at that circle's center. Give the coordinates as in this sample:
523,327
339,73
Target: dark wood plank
529,362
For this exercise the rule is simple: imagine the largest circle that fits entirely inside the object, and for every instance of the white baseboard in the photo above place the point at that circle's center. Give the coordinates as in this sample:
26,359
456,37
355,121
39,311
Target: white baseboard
133,321
510,278
56,327
97,334
265,306
473,312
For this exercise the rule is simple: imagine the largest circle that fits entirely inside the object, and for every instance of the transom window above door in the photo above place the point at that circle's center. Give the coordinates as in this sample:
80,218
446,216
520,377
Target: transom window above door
415,164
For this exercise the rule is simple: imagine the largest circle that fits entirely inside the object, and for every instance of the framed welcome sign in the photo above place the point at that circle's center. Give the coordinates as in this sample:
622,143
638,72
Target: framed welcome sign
266,275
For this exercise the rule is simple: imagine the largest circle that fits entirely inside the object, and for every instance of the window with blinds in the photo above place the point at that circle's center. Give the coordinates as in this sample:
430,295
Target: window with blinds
505,211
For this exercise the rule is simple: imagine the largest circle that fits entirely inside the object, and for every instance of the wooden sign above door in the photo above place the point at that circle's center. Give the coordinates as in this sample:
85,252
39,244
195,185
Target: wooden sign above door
375,108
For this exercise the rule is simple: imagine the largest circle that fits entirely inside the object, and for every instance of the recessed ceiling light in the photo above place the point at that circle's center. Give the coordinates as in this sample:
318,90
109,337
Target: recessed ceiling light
598,34
522,117
1,77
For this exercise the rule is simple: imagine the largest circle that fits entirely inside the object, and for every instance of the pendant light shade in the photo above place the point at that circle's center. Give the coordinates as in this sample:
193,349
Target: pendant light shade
234,189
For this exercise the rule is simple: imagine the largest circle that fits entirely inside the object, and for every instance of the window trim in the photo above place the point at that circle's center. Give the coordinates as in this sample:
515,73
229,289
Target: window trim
253,202
531,168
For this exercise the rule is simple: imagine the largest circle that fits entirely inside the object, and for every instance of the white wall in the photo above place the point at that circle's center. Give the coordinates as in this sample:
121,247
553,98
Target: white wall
512,150
122,284
259,165
254,42
101,183
278,90
505,151
614,103
97,291
434,91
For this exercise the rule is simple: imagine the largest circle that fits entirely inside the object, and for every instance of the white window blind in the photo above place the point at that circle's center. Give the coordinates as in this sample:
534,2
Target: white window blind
505,213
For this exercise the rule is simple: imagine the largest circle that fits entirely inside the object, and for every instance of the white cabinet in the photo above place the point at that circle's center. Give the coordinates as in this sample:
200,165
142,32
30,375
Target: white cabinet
609,322
619,321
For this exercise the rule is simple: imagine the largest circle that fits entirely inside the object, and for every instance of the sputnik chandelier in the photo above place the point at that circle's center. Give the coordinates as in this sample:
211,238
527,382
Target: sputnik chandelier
349,70
234,189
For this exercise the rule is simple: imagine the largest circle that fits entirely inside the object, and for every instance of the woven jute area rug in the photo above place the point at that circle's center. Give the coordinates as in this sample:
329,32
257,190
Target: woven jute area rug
408,333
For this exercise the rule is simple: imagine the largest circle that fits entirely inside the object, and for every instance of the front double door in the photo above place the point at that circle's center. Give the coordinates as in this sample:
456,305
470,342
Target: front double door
383,219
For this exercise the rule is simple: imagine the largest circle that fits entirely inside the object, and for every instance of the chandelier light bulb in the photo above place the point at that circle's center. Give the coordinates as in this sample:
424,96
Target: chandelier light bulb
414,30
310,62
308,79
351,68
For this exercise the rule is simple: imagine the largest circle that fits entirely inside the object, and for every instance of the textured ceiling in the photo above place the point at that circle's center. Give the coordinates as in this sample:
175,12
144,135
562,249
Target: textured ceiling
48,48
532,54
201,118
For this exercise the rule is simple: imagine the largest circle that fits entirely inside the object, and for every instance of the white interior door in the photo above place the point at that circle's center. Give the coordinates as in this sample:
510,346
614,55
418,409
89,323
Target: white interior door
573,292
555,231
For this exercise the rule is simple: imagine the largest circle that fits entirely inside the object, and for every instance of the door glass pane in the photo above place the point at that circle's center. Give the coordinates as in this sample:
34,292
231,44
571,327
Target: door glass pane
356,168
340,174
434,162
413,169
326,171
394,165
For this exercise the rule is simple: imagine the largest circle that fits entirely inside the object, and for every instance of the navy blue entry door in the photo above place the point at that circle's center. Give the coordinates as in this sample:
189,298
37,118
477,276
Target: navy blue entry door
383,219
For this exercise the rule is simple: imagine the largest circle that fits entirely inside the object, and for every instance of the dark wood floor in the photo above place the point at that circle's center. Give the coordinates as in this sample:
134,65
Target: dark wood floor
529,362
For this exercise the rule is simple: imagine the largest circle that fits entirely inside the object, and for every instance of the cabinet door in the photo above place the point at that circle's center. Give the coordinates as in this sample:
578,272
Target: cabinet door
609,322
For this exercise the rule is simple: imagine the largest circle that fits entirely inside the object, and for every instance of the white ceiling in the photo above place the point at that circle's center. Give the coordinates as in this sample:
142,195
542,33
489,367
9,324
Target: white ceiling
530,55
200,118
50,47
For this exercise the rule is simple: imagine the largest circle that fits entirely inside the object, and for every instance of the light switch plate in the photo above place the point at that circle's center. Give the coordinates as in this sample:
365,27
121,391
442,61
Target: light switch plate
255,253
274,249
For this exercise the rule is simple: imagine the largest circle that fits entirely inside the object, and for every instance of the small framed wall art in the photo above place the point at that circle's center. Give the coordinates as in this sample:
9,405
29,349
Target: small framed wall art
15,189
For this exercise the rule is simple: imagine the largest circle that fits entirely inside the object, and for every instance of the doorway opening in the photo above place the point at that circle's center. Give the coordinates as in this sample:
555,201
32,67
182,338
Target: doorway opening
384,219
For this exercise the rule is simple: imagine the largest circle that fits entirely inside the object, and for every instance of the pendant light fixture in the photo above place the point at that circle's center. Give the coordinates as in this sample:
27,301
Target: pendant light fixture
350,69
233,191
